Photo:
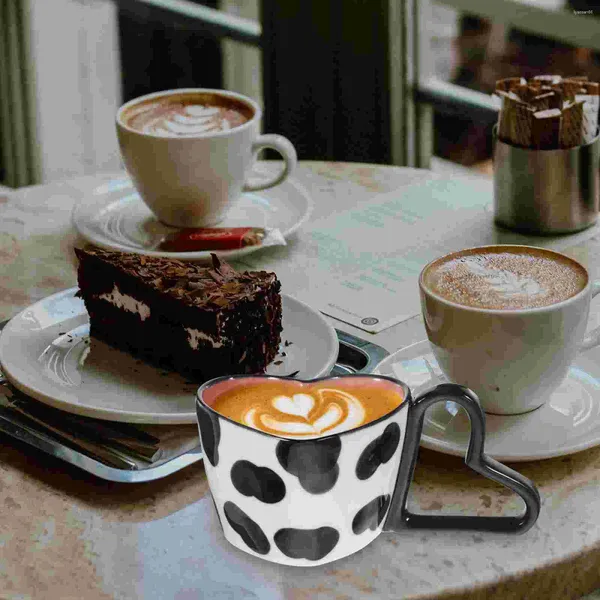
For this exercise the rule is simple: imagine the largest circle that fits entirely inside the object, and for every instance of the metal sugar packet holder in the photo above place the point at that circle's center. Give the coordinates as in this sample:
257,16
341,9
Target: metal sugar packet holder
546,192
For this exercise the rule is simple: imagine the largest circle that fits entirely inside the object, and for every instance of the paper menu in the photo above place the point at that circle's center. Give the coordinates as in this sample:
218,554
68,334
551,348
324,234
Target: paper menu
361,264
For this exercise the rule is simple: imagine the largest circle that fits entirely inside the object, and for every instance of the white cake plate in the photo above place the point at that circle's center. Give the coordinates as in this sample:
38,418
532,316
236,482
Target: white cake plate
45,352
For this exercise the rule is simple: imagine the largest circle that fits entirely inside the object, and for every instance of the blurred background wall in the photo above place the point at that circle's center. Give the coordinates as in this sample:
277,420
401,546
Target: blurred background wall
78,60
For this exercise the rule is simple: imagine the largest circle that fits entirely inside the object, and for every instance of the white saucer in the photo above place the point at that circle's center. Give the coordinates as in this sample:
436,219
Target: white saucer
114,217
569,422
45,352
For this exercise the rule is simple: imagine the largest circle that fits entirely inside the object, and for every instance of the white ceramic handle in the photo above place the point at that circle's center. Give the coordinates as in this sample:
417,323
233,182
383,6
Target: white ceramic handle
593,337
287,151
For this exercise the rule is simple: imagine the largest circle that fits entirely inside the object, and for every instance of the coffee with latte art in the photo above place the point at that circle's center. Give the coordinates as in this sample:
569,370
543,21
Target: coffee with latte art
505,278
187,114
287,409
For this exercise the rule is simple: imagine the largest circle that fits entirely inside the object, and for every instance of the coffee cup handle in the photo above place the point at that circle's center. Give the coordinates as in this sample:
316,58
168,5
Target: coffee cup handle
593,337
400,517
288,153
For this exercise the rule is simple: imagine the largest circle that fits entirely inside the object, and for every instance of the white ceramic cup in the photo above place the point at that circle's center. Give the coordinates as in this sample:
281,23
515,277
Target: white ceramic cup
512,359
191,181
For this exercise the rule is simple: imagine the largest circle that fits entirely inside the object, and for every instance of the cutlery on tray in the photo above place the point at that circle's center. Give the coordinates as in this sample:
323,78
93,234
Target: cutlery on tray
121,445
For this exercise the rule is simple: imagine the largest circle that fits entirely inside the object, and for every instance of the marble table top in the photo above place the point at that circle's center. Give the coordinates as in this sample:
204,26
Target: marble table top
66,534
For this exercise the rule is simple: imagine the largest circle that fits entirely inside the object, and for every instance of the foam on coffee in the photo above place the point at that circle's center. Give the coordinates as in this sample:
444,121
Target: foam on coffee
184,115
283,408
508,278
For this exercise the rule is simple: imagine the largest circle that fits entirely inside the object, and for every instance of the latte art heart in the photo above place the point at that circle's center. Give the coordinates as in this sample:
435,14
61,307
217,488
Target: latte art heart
298,404
328,411
303,409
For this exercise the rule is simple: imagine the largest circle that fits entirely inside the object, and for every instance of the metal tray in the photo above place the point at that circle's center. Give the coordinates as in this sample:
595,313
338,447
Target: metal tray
355,356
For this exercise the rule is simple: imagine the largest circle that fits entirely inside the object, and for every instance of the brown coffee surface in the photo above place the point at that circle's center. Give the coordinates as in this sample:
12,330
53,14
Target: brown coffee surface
182,115
505,278
288,409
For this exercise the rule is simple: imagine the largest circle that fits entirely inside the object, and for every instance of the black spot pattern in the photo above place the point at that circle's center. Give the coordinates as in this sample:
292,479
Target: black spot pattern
257,482
379,451
313,462
371,515
248,529
210,430
312,544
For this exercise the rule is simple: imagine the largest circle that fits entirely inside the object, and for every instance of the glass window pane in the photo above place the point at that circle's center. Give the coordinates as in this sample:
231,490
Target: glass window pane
474,52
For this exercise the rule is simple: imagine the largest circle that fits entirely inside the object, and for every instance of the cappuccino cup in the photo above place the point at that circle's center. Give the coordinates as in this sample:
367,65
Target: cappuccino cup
306,472
190,152
507,321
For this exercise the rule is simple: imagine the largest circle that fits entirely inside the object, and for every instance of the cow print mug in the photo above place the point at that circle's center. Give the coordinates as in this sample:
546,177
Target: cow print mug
306,472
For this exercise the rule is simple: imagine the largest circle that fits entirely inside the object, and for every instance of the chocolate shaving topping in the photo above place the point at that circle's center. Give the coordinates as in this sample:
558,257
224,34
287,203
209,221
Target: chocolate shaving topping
217,287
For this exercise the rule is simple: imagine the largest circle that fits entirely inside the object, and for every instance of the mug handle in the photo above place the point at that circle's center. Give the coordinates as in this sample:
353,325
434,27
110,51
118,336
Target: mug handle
287,151
399,516
593,337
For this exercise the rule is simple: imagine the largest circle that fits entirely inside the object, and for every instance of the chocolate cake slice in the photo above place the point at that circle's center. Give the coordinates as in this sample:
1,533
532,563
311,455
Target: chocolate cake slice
200,321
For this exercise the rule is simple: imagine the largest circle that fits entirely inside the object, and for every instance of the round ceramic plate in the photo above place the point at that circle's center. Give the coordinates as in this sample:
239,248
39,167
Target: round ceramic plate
567,423
114,217
46,352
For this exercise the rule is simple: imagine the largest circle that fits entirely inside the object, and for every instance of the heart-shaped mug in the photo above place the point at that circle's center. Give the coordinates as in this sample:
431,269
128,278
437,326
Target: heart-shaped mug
310,498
